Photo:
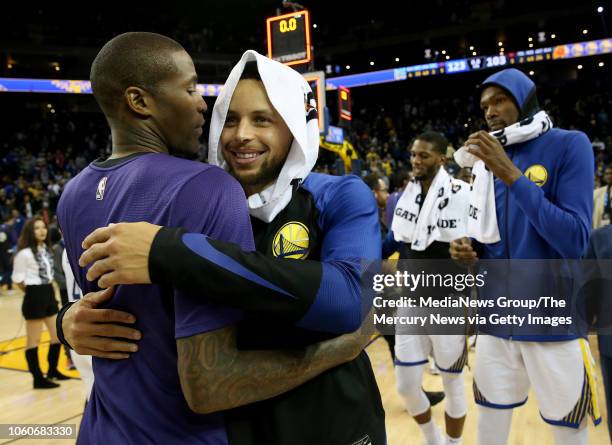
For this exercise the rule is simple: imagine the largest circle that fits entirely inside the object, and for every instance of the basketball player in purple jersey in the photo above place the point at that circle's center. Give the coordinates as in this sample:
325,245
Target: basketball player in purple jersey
146,86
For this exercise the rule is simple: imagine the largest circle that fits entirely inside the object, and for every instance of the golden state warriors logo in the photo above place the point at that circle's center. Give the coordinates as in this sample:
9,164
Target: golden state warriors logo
291,241
537,174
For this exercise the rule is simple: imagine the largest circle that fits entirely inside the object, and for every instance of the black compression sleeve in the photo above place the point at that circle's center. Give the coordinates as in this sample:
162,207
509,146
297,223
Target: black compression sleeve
222,273
58,324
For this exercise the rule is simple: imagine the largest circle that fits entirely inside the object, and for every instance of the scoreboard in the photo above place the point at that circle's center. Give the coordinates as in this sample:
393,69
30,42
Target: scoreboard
289,38
567,51
475,63
344,104
484,62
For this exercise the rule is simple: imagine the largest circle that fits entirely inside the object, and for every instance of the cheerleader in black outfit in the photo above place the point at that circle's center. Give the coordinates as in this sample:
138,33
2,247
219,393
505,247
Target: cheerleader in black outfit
33,273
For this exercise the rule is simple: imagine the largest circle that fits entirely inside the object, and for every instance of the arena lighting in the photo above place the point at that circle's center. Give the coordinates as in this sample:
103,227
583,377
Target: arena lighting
553,36
530,39
500,43
585,31
443,51
397,59
579,67
348,67
314,26
531,45
550,53
371,63
531,73
471,48
474,53
600,9
601,64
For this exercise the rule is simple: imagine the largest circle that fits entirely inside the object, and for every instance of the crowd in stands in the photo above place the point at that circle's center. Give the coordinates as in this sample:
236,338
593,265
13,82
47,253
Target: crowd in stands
38,155
382,137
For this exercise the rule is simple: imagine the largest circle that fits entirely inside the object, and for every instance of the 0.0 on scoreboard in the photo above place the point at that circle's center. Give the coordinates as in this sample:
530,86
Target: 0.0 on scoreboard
289,38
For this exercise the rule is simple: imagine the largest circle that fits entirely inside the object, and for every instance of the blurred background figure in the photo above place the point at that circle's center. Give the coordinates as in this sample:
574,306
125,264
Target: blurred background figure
602,208
33,273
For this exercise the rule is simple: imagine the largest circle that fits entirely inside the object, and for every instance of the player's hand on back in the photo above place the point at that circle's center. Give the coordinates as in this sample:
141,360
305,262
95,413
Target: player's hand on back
119,253
90,330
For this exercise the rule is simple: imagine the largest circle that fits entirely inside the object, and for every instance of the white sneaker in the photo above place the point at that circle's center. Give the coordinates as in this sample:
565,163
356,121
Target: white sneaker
439,439
451,441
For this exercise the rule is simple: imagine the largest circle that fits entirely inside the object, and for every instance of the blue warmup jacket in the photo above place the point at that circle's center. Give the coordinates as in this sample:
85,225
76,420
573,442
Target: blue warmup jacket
546,213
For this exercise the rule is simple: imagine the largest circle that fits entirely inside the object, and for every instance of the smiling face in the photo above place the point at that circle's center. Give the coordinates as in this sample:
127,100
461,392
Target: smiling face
255,139
498,107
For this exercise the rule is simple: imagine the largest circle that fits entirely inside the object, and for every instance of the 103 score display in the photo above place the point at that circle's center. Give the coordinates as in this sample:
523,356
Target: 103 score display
475,63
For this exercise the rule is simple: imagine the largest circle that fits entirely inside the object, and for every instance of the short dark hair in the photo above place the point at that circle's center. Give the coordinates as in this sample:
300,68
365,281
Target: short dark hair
140,59
372,180
250,71
436,139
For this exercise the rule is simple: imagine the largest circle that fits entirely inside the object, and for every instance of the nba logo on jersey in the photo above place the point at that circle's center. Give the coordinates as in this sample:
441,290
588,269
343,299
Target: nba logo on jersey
101,188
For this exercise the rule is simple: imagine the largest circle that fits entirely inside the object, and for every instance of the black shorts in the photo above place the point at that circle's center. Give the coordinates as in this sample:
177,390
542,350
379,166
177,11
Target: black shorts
39,302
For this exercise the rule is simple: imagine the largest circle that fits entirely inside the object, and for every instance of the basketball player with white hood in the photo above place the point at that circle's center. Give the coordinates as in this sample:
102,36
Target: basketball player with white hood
301,286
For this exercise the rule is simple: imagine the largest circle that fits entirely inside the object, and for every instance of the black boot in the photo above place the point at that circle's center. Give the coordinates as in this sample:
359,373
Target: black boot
52,357
39,381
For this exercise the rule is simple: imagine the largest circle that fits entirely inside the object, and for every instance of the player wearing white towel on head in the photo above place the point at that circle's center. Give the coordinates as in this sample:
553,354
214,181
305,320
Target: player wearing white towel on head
427,156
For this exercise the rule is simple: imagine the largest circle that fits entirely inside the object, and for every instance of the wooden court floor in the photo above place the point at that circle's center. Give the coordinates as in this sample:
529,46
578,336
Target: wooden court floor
19,403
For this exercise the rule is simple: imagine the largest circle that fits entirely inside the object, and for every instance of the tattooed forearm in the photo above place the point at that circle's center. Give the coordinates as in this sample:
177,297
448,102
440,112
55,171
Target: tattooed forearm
216,376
